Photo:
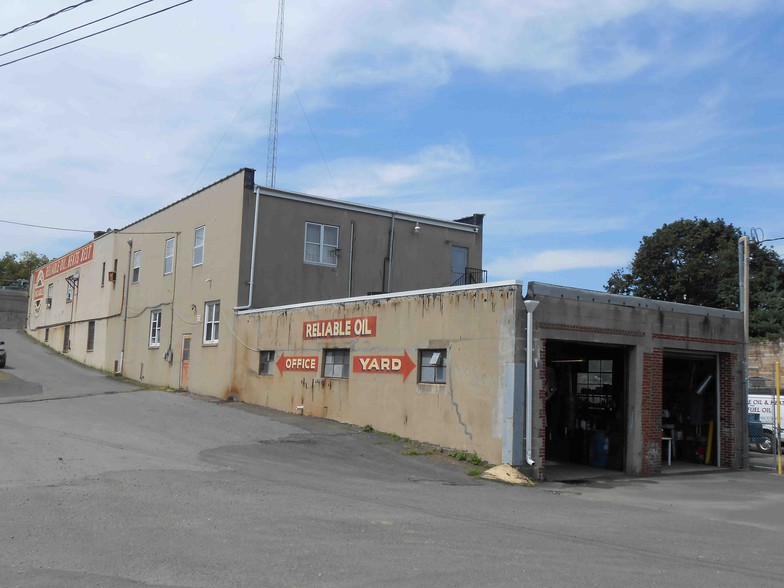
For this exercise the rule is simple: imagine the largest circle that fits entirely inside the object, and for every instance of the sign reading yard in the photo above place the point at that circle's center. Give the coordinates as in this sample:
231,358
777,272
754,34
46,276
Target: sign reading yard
384,364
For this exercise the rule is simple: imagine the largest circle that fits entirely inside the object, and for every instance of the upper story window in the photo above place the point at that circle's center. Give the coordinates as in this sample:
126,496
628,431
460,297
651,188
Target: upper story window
155,328
321,244
137,266
69,290
198,246
168,257
211,322
49,293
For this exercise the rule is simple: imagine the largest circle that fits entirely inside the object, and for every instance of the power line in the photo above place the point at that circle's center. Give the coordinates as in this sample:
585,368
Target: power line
44,227
95,34
75,28
40,20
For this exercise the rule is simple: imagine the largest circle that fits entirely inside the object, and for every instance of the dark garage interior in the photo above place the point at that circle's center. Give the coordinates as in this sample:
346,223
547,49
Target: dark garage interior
586,404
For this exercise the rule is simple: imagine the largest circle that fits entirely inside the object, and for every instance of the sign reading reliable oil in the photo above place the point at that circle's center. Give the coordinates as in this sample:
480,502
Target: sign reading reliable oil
364,326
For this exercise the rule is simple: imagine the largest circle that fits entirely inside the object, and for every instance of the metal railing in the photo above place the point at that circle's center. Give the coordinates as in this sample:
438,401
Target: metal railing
471,275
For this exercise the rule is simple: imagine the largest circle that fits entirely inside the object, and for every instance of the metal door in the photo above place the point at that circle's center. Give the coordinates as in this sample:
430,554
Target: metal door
459,265
185,366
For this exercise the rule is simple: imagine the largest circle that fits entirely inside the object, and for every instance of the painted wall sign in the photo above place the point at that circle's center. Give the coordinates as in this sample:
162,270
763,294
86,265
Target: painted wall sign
364,326
384,364
297,363
66,263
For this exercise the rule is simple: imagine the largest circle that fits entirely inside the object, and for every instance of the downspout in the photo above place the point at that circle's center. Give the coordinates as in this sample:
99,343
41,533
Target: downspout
252,255
530,307
351,261
391,253
170,352
125,310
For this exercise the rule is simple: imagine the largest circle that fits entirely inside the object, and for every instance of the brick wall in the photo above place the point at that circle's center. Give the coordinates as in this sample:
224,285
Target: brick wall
540,419
653,364
727,363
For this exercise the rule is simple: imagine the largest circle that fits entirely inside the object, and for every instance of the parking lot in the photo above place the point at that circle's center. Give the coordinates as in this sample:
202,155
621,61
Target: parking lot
106,484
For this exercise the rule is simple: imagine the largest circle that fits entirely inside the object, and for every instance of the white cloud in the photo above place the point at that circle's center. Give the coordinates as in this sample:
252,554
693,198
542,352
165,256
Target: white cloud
554,260
369,177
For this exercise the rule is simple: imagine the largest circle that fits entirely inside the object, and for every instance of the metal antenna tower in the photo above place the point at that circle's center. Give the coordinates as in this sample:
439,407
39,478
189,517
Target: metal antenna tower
272,142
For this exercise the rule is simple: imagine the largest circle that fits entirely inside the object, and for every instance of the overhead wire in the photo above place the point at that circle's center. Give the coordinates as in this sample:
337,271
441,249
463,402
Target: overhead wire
312,132
40,20
87,24
117,26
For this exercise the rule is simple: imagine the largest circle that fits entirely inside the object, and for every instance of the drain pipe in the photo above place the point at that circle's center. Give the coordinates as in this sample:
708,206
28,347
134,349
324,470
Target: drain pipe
252,255
530,307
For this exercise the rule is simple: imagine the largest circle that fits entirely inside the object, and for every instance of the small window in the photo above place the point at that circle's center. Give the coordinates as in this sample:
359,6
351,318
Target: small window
49,294
103,274
336,363
211,322
90,335
137,267
155,328
432,366
69,289
599,375
198,246
114,283
46,335
67,339
266,362
321,244
168,257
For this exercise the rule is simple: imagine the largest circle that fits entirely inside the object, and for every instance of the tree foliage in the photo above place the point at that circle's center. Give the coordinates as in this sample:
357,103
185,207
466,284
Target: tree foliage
695,261
14,268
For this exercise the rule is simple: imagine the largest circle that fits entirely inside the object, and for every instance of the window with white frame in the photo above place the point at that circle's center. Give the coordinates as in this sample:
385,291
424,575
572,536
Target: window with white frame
168,257
155,328
211,322
266,362
432,366
49,294
198,246
336,363
321,244
137,267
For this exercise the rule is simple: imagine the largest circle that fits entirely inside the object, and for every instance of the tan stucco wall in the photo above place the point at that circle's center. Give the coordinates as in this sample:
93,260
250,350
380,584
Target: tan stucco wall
476,326
181,296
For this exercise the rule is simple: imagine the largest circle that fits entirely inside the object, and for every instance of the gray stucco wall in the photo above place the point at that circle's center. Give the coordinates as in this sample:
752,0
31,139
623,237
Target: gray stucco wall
421,259
13,309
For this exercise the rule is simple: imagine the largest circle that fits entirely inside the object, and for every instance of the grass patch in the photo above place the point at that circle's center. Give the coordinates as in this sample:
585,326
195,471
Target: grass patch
368,429
476,471
417,449
472,457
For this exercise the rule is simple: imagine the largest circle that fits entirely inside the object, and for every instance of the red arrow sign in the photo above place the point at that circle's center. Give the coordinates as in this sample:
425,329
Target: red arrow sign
384,364
297,364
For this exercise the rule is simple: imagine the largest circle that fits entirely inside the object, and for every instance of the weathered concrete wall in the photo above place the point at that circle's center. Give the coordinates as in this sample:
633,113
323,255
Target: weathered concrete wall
477,326
648,329
13,309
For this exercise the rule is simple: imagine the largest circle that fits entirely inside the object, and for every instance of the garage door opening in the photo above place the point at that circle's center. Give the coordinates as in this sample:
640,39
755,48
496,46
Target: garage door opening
586,404
689,408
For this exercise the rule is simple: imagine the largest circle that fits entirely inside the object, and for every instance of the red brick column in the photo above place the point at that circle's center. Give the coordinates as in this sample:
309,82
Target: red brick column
652,366
540,416
726,409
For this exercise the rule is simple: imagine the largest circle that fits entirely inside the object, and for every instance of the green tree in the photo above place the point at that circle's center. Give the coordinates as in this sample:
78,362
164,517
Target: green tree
15,267
696,261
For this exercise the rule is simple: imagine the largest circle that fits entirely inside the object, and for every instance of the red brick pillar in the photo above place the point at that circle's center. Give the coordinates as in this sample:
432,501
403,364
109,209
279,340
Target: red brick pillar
726,409
540,416
653,364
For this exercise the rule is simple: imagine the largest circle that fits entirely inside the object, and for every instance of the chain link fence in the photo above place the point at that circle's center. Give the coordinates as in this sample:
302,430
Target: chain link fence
765,431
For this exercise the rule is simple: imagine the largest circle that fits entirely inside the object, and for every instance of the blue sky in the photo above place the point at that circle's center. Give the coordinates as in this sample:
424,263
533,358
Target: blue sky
578,127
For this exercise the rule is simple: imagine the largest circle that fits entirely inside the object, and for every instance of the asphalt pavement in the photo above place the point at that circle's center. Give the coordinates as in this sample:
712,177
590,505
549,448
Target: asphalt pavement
109,484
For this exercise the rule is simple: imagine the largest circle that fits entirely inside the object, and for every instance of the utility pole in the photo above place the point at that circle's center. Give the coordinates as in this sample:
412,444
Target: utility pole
272,142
